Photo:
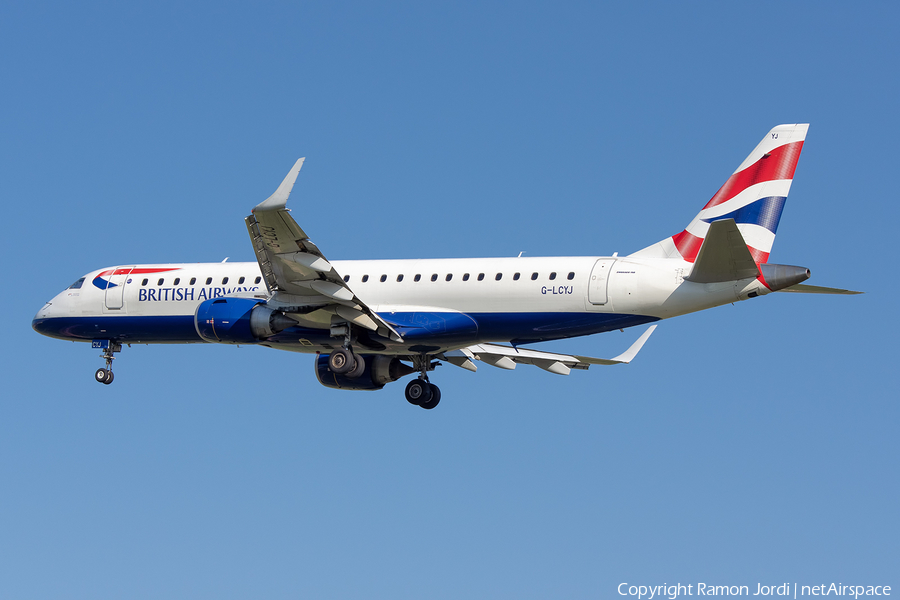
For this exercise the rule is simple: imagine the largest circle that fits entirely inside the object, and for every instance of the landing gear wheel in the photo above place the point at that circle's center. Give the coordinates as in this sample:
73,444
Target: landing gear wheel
109,351
418,392
341,361
360,367
104,376
435,397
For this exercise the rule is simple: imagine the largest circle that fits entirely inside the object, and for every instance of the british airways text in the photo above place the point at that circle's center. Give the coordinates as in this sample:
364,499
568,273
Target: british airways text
188,294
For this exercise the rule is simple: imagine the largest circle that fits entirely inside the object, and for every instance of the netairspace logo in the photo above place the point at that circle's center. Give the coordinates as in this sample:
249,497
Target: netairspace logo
649,592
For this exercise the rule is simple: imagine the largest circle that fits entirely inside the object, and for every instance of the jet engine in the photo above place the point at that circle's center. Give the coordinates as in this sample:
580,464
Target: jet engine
238,321
379,371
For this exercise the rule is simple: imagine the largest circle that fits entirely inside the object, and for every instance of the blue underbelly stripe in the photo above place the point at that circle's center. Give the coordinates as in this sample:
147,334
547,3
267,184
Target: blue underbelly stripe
438,328
171,329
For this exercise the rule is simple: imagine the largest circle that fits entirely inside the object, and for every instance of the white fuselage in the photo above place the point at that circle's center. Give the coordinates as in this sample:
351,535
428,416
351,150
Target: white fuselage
509,299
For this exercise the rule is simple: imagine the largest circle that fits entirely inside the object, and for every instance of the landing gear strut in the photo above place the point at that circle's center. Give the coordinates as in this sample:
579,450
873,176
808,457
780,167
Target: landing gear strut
344,361
420,391
106,376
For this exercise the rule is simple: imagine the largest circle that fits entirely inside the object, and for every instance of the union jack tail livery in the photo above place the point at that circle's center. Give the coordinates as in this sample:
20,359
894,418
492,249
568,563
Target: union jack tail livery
753,196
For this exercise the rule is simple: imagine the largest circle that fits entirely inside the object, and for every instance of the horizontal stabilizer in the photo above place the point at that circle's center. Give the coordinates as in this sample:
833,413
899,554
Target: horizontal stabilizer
507,357
723,256
802,288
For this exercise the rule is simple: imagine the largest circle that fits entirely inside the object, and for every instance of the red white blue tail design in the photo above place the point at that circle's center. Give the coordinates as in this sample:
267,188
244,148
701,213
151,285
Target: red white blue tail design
753,196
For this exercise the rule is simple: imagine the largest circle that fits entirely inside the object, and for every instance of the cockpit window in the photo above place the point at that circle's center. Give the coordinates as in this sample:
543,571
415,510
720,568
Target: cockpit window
77,284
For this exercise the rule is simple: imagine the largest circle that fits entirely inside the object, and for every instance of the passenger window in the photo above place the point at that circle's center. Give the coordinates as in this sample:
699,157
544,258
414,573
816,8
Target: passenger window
465,276
383,278
499,276
144,282
241,280
193,280
399,278
208,280
533,276
449,276
365,278
177,281
418,277
552,276
434,277
481,277
258,279
160,282
224,280
571,276
516,277
346,278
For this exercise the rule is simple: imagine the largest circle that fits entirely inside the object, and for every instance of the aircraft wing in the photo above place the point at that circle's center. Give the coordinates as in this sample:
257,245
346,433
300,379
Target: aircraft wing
294,268
507,357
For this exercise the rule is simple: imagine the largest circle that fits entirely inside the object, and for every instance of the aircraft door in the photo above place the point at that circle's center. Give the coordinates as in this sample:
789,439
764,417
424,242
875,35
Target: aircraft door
115,289
599,279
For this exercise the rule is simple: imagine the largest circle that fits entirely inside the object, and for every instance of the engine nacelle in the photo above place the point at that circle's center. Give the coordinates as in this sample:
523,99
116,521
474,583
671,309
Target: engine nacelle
238,321
379,371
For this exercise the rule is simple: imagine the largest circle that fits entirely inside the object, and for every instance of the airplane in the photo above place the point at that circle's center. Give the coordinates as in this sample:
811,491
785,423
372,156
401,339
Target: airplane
373,322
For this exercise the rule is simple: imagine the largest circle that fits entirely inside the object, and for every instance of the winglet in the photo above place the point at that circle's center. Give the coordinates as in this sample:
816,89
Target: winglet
624,358
279,198
627,356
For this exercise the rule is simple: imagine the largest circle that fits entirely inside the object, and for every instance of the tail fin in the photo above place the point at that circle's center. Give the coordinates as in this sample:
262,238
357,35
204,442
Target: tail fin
753,196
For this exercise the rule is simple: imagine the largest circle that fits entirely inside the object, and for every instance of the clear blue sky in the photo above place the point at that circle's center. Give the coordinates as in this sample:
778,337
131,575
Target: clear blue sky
755,442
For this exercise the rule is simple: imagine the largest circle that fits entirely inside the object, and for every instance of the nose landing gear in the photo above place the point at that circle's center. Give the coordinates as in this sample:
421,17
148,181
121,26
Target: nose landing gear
106,376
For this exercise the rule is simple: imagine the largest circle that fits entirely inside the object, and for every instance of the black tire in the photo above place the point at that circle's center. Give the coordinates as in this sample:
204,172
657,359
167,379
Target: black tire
360,367
341,361
101,375
435,397
109,377
418,391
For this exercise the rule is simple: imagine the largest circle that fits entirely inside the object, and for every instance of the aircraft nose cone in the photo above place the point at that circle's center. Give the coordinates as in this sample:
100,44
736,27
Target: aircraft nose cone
42,320
40,325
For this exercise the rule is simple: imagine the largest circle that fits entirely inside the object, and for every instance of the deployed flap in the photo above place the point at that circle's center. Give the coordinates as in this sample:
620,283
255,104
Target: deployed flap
802,288
292,264
723,256
506,357
461,358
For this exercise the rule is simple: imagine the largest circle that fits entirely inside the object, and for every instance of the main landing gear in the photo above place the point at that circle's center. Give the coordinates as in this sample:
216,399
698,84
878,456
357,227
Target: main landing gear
420,391
106,376
344,361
